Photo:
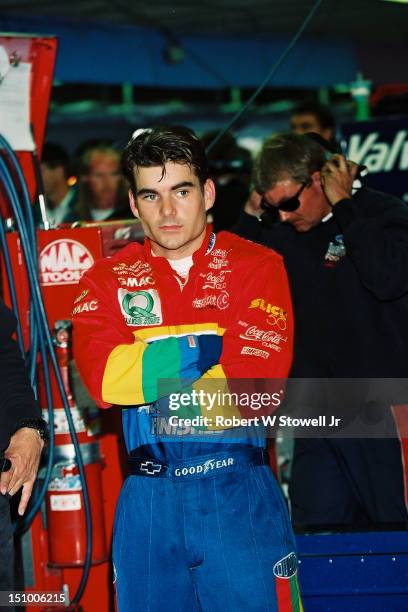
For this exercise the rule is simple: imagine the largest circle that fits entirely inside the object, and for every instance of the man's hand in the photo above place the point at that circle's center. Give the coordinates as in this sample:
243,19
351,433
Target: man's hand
253,204
337,176
24,452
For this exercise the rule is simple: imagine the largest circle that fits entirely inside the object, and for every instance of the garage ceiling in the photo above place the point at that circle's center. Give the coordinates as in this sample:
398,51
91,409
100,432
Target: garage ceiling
358,20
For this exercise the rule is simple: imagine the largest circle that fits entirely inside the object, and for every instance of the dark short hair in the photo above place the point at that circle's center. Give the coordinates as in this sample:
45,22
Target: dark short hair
54,155
287,155
322,113
162,144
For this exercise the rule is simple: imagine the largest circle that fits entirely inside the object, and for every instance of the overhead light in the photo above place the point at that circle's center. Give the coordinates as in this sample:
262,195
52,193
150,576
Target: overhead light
173,53
399,1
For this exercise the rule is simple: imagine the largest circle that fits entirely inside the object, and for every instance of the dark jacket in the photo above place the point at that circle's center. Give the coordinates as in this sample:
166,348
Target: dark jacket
349,282
16,395
71,214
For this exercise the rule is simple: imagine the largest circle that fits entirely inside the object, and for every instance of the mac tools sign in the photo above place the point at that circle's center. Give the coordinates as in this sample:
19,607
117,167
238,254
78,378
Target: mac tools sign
63,262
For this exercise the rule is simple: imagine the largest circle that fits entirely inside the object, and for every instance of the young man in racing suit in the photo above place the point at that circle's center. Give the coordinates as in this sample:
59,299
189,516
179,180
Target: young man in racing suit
200,524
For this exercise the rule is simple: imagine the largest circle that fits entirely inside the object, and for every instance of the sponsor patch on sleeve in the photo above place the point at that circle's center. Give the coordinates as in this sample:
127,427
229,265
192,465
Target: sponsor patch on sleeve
275,314
81,296
88,306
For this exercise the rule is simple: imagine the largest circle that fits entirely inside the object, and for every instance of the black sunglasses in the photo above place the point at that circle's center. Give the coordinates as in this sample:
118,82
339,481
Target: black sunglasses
289,205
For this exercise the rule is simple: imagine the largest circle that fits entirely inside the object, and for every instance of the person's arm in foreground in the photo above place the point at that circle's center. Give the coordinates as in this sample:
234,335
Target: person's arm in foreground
17,404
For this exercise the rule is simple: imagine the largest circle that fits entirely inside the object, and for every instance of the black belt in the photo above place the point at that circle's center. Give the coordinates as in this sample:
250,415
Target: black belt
198,467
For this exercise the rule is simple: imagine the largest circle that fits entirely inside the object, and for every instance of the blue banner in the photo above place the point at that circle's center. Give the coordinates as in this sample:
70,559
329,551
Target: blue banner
382,146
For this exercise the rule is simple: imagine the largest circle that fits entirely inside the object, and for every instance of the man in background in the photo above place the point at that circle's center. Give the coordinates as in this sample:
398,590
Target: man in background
102,190
314,117
346,252
59,196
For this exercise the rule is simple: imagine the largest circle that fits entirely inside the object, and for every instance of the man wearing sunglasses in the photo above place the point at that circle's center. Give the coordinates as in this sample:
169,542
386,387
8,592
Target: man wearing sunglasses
346,253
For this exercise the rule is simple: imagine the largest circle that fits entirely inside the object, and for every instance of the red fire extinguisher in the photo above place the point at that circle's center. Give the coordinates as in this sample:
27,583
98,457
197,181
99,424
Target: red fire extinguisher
64,499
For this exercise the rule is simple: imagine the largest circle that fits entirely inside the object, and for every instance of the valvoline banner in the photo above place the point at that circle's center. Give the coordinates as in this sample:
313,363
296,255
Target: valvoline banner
382,146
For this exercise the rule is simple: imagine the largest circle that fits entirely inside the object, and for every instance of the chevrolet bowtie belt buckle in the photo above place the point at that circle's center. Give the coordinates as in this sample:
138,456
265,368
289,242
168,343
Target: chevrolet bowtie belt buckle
151,468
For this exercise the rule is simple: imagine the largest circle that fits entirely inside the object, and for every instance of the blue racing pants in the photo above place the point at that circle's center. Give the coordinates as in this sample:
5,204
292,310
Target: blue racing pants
208,534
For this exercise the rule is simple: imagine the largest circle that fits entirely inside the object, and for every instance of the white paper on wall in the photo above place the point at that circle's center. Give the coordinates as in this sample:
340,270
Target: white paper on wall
15,103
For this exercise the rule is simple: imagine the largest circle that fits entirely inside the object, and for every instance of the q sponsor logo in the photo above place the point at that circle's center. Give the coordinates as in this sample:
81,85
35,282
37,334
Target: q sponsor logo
140,308
63,262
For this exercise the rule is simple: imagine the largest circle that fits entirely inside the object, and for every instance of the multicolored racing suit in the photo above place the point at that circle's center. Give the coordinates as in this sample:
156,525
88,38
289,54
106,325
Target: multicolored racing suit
200,523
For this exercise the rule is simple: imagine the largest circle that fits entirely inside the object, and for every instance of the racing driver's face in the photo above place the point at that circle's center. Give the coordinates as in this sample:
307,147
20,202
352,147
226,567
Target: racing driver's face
172,208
